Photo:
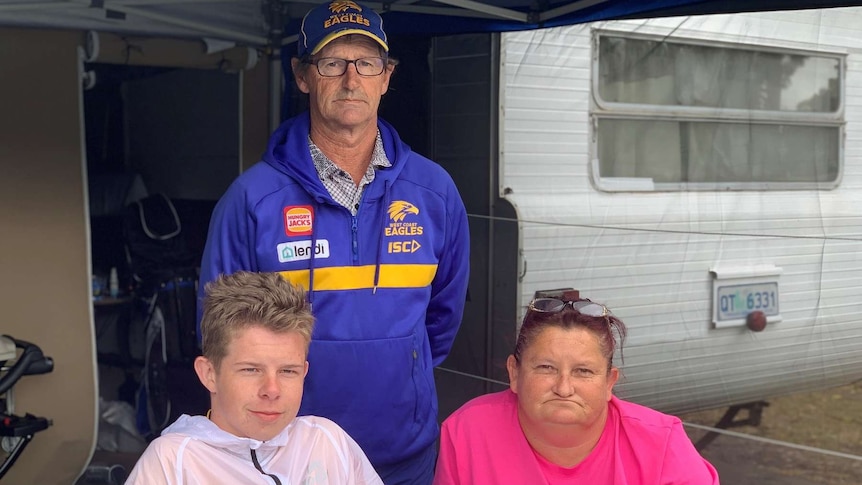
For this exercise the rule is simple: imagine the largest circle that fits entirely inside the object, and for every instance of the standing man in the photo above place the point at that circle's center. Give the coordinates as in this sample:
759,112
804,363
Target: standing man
377,233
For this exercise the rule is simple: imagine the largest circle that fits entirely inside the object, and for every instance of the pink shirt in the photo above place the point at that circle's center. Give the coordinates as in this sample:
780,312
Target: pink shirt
482,443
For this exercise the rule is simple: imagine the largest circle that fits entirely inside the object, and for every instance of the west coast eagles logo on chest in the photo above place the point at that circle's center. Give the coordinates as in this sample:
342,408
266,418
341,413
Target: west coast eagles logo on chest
400,212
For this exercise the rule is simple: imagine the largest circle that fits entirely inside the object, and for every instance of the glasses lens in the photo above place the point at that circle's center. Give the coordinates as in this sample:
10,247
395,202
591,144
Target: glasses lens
590,309
369,66
330,66
547,305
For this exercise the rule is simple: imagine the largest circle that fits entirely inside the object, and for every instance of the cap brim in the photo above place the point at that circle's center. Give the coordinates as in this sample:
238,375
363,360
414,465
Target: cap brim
341,33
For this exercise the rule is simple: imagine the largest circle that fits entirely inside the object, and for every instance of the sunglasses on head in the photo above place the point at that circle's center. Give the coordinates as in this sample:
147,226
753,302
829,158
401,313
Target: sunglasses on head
555,305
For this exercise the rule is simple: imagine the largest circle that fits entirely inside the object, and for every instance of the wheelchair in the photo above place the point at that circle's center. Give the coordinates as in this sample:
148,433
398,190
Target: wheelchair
16,431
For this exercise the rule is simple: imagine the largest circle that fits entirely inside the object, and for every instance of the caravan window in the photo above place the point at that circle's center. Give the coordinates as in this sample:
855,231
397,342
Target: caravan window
681,115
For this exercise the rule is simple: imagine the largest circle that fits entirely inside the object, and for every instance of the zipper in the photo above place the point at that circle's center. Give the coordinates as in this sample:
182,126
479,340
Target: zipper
355,237
260,469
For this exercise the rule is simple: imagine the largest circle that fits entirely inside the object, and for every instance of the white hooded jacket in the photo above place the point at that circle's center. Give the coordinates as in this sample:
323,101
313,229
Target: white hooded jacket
310,451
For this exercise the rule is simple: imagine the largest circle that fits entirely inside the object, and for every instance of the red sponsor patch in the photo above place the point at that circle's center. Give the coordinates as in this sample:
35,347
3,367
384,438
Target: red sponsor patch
298,220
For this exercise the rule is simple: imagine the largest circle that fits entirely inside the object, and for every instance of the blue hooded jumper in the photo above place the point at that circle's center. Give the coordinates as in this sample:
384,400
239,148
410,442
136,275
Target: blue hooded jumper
388,285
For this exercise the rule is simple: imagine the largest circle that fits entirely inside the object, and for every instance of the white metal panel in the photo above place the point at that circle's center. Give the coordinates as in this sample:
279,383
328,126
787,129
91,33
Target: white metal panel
648,255
235,20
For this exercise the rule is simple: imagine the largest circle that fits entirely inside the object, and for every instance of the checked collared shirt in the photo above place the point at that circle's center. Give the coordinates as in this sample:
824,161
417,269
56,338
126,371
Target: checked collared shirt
339,183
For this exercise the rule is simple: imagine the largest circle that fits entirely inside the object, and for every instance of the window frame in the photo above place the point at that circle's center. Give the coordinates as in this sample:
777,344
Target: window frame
603,109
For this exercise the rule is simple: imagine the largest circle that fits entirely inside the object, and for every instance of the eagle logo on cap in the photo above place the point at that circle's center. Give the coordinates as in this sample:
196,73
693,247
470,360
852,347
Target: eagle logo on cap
399,209
339,6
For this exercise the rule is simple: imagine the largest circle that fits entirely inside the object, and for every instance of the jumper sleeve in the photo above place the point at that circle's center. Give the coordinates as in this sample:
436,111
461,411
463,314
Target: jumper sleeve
230,241
446,472
449,288
683,465
156,466
343,458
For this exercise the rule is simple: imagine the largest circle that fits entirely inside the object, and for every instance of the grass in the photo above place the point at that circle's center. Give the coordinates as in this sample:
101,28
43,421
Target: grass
830,420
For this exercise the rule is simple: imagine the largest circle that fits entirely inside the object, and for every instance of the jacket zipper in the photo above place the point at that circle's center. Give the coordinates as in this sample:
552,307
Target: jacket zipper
260,469
355,241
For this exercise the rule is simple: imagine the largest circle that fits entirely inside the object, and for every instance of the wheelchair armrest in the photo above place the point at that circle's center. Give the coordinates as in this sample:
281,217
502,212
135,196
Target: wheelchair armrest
31,361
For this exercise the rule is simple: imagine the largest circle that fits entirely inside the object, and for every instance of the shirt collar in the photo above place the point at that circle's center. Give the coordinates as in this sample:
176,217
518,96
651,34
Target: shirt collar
326,168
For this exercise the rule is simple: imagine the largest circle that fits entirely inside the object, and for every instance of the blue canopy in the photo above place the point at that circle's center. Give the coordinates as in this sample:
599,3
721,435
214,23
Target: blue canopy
267,22
466,16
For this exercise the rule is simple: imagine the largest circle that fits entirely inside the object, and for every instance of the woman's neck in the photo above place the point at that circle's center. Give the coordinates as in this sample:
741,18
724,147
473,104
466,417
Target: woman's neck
562,445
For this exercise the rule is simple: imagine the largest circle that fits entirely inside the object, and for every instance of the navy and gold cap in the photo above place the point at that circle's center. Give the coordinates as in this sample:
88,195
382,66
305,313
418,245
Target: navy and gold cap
332,20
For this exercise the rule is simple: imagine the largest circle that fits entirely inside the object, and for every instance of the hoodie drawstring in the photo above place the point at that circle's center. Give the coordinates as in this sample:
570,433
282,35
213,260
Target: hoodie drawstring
380,243
311,260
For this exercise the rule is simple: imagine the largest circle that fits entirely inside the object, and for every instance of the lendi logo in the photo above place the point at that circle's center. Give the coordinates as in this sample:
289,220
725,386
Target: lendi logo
301,250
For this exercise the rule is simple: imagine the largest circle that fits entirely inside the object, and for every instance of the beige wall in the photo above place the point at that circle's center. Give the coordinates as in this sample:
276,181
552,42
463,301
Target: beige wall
255,113
44,257
44,252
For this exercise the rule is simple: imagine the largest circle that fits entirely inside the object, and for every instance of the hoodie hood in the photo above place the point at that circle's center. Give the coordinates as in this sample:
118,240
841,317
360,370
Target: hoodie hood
288,153
202,429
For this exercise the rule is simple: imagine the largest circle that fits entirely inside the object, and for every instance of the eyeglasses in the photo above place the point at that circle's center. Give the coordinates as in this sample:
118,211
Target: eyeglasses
334,67
555,305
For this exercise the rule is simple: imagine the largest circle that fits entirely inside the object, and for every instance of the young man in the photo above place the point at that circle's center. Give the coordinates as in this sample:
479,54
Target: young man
256,330
376,232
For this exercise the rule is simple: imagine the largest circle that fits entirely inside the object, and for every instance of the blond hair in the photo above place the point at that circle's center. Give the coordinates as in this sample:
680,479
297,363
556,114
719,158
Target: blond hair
244,299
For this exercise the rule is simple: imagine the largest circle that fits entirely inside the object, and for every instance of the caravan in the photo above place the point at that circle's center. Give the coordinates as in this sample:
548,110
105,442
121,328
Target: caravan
702,176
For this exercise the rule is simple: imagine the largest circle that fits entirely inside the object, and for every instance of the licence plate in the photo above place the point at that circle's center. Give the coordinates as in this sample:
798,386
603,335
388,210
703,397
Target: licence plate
735,302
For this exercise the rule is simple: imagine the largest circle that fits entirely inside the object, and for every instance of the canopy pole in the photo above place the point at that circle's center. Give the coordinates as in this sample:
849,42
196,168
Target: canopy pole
224,33
40,5
489,9
275,89
275,12
566,9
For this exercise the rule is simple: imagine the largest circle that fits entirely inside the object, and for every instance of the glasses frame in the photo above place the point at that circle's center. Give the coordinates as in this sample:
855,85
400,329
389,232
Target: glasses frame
577,305
536,317
347,62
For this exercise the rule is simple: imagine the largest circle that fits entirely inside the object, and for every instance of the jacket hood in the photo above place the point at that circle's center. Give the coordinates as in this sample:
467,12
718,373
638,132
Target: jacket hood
288,153
202,429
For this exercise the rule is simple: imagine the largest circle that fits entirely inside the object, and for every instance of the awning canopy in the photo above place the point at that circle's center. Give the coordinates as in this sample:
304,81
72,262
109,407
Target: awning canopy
267,22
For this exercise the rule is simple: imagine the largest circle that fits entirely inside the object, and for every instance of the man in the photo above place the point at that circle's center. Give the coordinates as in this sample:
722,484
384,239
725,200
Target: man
256,329
377,233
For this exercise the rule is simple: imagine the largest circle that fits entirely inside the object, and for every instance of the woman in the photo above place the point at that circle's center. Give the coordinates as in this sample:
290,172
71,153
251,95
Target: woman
559,422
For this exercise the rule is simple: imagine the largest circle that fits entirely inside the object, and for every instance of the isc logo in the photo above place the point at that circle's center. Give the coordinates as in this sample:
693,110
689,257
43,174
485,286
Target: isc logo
403,246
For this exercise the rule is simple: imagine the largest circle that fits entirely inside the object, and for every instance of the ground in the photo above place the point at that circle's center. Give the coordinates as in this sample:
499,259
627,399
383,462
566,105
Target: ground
829,420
